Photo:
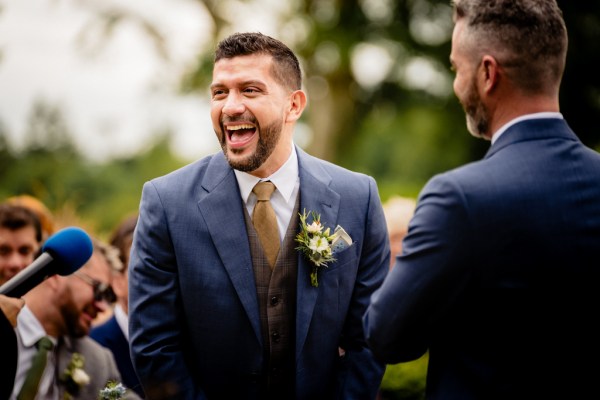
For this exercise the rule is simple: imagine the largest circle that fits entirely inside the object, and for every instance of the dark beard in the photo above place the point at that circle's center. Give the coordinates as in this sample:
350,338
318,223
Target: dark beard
71,316
478,122
267,141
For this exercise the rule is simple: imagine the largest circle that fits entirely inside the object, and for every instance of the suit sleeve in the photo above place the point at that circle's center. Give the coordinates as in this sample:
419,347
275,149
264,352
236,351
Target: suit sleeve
426,278
360,374
155,318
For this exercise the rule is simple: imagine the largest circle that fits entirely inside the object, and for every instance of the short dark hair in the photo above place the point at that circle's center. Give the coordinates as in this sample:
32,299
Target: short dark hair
14,217
528,38
286,68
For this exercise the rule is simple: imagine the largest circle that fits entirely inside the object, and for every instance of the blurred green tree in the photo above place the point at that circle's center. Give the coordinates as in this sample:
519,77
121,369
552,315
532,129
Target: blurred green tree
50,167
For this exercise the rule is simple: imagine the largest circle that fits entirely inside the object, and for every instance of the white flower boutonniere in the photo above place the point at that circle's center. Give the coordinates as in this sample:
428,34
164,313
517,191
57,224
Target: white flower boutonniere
74,376
112,391
314,243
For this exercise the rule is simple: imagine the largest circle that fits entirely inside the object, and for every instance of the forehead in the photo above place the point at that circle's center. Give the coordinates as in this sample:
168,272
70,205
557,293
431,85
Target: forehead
23,234
458,41
248,67
97,266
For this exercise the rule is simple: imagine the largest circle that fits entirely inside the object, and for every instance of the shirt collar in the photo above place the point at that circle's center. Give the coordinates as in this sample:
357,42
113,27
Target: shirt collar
284,178
30,329
525,117
122,321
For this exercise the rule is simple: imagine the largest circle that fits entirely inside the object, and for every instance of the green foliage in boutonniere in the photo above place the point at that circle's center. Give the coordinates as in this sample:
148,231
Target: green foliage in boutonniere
314,243
74,376
112,391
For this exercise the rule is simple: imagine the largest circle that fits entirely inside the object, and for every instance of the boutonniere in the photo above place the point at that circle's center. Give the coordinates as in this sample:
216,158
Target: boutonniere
319,245
112,391
74,376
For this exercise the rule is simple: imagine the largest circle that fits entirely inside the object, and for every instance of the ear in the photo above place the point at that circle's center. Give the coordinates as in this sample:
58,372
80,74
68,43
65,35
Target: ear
489,73
55,281
296,105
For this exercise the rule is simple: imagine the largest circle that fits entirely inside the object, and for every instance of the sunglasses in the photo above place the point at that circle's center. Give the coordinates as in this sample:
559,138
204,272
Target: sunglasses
102,291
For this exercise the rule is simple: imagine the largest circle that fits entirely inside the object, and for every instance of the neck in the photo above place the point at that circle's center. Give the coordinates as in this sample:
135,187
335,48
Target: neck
37,302
518,106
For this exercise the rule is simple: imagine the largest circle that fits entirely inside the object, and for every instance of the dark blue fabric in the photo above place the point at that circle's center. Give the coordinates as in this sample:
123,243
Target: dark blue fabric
194,315
499,273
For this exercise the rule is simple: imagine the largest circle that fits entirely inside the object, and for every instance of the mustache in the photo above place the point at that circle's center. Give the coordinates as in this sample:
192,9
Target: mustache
239,118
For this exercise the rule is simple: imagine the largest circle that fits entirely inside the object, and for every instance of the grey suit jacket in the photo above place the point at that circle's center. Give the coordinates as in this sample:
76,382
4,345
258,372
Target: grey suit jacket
194,315
99,365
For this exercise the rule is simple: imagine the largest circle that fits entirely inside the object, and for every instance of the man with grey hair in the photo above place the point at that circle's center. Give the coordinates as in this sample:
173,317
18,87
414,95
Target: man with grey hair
498,275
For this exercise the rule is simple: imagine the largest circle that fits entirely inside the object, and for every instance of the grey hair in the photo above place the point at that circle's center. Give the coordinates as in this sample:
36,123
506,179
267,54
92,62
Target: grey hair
527,37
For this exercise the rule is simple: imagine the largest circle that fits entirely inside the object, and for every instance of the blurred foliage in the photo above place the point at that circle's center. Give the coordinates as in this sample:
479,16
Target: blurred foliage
405,381
77,191
385,126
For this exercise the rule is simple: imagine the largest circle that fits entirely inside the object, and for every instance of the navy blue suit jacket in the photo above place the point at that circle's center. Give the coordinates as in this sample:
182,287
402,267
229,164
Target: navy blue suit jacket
194,315
110,335
499,273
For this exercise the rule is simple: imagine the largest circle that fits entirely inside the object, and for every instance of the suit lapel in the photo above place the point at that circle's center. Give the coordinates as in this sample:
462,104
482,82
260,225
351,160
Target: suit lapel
315,195
221,206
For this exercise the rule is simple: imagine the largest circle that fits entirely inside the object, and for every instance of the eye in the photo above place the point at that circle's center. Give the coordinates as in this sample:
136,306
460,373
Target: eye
218,94
25,251
251,90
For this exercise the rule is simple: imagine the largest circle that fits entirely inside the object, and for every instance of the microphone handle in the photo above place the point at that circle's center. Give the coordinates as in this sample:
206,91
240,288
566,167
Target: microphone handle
28,277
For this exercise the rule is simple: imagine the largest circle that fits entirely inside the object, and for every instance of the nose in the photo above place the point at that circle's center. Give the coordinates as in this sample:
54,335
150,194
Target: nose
15,262
234,104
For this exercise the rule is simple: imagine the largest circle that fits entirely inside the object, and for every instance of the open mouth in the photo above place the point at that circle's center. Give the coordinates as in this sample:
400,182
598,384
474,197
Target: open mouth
239,135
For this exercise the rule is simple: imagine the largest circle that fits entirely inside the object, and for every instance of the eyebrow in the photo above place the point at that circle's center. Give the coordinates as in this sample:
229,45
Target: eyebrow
251,82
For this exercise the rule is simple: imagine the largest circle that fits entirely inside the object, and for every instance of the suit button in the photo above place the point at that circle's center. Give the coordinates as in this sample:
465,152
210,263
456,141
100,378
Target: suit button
274,300
275,336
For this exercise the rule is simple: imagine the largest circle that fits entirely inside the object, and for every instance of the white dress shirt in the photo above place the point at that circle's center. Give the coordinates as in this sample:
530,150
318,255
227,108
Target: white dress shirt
122,320
283,200
30,330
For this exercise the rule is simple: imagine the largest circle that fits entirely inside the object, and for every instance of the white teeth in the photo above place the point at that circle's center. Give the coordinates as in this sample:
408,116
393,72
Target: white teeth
238,127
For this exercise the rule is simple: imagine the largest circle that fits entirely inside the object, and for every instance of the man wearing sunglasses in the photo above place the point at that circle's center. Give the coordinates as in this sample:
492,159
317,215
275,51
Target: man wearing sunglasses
62,308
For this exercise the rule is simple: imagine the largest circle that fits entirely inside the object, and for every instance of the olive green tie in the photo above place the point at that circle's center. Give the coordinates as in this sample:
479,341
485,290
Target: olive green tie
34,375
265,221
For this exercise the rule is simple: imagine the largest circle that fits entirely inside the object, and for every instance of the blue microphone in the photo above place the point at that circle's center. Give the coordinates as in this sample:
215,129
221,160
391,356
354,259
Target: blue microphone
63,253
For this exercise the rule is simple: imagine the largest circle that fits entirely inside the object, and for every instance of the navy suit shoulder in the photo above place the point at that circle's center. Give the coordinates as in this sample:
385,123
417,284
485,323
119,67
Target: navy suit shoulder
104,333
497,261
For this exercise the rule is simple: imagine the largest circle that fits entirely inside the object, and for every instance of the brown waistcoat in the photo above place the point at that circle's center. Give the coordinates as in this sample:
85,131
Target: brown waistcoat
276,292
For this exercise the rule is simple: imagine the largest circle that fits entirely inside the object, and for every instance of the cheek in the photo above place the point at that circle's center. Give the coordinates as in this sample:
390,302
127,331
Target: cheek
215,115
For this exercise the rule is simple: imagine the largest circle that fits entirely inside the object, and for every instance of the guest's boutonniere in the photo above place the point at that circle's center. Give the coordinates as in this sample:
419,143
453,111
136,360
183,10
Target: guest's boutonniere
319,245
74,376
112,391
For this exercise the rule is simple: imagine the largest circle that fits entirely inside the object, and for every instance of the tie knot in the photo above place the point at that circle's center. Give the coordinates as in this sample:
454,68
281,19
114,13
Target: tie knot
45,344
264,190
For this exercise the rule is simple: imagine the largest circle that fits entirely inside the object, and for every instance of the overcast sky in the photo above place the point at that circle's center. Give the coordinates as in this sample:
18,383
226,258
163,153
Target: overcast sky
114,94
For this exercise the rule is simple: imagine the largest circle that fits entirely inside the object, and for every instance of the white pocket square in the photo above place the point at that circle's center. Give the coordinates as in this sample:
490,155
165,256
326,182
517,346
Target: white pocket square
341,240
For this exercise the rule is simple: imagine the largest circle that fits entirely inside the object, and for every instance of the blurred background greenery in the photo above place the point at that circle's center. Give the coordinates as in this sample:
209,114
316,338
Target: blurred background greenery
380,102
